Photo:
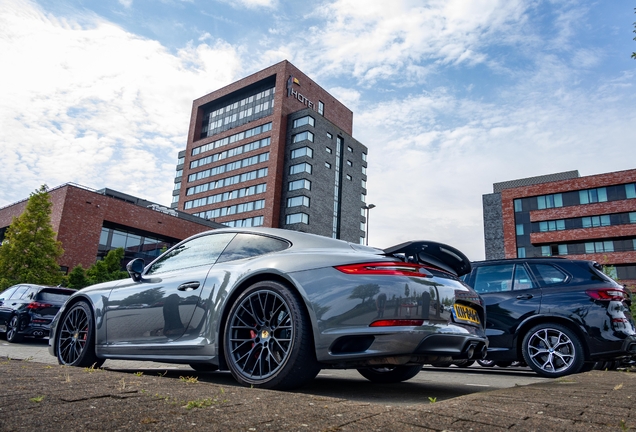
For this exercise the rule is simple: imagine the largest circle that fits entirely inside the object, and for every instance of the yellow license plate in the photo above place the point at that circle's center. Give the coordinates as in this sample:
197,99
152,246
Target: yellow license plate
465,313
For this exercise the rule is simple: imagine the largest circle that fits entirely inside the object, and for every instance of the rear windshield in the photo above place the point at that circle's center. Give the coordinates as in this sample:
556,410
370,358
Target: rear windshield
53,295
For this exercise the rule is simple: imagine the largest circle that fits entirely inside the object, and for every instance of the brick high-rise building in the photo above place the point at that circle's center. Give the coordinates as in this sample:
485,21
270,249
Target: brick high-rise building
274,149
592,217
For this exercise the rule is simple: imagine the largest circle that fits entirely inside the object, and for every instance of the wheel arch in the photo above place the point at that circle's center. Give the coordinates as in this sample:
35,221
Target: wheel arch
525,327
239,289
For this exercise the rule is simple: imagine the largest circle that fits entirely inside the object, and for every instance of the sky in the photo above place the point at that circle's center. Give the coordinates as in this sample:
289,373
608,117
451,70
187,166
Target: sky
450,96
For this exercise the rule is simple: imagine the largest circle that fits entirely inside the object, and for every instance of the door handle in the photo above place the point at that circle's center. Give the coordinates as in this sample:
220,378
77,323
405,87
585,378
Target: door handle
524,297
189,286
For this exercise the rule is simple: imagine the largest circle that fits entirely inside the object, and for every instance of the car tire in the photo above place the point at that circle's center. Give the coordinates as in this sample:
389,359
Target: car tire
553,350
75,337
464,363
486,363
390,374
13,330
204,367
266,350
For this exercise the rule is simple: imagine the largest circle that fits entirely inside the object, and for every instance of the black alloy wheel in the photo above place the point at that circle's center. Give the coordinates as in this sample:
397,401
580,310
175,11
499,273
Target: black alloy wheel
390,374
13,329
552,350
75,339
268,340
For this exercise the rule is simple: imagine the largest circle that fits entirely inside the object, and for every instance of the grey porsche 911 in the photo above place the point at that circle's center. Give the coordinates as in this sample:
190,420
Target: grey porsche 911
274,307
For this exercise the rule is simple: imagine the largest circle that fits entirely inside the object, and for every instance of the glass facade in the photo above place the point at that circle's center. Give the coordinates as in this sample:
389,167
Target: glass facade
135,243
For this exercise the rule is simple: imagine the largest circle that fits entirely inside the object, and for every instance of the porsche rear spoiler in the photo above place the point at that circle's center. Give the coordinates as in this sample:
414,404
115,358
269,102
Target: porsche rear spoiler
436,254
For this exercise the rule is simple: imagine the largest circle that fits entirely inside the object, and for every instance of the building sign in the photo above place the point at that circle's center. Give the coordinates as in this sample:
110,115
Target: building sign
163,209
293,93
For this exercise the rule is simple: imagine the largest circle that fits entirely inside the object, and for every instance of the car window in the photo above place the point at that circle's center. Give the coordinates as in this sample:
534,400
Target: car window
493,278
202,250
18,293
251,245
522,278
53,295
549,274
6,294
30,293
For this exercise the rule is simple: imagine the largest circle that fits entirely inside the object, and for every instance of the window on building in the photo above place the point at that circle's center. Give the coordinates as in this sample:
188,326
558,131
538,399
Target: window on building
363,183
632,217
177,186
596,221
303,136
363,197
364,157
350,149
303,151
329,135
328,150
549,201
599,246
297,218
590,196
348,177
518,206
555,225
307,120
321,108
563,249
364,170
327,165
546,250
300,184
630,190
181,160
519,229
178,174
298,201
175,199
349,163
521,252
300,168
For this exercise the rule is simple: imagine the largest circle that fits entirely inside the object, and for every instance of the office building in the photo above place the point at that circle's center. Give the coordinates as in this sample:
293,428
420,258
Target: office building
274,149
90,222
564,214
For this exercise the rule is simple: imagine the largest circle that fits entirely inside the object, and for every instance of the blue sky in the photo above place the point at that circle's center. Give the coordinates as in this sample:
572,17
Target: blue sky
450,96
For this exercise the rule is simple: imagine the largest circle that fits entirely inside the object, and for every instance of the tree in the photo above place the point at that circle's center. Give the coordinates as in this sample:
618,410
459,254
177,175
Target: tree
29,252
634,53
108,269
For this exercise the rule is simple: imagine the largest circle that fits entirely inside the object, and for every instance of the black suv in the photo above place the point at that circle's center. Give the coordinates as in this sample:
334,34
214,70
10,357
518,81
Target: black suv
557,315
27,310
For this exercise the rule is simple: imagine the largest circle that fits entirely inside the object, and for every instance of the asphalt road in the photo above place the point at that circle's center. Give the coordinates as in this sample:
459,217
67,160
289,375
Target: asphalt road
431,384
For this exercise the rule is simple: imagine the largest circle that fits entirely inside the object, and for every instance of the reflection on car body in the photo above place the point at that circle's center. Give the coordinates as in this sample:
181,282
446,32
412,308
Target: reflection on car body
276,306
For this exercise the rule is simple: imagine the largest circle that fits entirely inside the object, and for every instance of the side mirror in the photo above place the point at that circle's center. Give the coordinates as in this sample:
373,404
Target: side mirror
136,268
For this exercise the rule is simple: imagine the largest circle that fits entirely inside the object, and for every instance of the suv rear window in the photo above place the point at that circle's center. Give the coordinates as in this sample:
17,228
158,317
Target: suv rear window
53,296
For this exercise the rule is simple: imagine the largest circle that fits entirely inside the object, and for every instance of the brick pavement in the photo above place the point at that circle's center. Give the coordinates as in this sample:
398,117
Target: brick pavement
47,397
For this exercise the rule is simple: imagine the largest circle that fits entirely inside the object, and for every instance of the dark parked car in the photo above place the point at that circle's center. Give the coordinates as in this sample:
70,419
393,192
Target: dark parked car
27,310
275,306
559,316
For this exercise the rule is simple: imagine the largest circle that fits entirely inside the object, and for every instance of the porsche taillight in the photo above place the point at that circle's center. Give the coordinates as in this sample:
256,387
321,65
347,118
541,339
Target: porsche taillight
385,268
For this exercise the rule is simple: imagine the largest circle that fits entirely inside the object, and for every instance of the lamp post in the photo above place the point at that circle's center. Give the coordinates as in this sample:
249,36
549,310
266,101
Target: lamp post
367,208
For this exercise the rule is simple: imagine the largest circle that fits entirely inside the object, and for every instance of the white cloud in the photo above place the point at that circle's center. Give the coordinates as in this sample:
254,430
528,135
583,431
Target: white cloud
92,104
375,39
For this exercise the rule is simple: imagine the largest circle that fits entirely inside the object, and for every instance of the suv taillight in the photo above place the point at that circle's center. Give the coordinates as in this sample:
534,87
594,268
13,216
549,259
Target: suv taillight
607,294
385,268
